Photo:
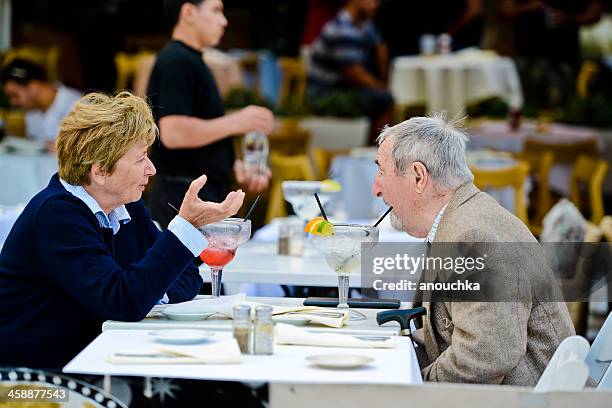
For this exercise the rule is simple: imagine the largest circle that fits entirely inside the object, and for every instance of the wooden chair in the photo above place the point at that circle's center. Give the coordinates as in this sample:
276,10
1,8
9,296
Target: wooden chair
591,172
563,152
512,176
128,66
285,167
322,159
293,82
539,165
290,139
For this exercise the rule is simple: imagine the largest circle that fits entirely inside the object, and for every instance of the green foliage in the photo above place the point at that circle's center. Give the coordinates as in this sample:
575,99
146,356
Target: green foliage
492,108
345,104
595,110
238,98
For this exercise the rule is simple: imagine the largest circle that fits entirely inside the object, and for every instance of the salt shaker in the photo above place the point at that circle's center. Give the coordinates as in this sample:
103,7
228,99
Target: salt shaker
242,327
264,331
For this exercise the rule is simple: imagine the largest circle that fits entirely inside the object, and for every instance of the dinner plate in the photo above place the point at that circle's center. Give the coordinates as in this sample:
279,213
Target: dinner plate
294,320
344,361
181,336
173,315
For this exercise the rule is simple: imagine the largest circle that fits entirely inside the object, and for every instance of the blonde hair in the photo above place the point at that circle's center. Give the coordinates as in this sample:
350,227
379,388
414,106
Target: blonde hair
101,129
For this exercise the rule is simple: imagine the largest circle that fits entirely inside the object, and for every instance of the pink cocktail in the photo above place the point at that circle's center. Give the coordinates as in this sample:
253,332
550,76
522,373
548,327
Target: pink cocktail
224,237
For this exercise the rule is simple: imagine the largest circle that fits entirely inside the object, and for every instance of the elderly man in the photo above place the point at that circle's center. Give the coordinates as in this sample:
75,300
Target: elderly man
424,175
45,103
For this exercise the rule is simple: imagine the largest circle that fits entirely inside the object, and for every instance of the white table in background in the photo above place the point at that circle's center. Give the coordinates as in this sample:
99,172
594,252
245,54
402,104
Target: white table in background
397,366
449,82
369,326
22,176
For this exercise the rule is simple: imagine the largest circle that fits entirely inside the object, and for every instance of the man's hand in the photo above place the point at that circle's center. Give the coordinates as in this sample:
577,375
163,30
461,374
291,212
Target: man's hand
253,182
254,118
198,212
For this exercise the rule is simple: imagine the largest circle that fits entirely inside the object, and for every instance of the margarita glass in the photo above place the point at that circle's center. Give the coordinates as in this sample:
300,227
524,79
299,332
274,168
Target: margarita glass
301,196
223,237
342,250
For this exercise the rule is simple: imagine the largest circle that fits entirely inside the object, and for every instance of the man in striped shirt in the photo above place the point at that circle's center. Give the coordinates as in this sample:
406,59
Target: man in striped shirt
349,54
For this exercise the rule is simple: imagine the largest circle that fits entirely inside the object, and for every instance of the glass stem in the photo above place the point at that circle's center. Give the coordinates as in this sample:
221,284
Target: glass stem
343,289
215,281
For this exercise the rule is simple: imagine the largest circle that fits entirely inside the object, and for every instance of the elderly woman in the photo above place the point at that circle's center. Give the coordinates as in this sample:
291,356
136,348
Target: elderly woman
85,249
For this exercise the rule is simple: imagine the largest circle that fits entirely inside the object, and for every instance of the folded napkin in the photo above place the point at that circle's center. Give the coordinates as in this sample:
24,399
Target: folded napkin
222,305
288,334
224,352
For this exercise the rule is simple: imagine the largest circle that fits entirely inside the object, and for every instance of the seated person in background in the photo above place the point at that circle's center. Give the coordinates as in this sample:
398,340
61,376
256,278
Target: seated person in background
45,103
349,54
85,249
423,174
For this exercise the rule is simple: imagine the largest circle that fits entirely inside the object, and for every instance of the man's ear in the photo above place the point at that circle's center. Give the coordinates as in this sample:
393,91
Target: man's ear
97,174
421,176
186,12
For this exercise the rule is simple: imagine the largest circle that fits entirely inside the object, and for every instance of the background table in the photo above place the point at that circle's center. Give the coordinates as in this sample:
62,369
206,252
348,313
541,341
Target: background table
450,82
22,176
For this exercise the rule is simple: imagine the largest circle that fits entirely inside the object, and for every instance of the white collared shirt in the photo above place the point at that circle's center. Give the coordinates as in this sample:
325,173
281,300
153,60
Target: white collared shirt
44,125
434,227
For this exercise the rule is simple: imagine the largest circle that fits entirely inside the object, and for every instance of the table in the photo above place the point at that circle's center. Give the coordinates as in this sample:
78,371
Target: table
369,326
23,175
396,366
449,82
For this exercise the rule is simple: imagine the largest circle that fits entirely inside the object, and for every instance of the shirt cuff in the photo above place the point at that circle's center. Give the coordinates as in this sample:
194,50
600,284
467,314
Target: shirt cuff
188,235
166,299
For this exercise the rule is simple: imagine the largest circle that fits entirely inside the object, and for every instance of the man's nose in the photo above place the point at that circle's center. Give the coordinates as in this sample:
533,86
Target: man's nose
376,191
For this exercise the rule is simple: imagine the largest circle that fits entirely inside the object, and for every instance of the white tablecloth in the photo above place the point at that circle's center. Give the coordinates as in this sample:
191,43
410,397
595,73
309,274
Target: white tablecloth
449,82
287,365
22,176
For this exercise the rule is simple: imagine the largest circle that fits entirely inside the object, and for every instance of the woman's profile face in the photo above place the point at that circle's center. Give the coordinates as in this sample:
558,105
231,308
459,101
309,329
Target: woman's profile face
130,177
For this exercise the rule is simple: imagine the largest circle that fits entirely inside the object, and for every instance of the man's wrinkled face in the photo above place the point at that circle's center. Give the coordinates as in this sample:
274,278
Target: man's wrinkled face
20,96
396,190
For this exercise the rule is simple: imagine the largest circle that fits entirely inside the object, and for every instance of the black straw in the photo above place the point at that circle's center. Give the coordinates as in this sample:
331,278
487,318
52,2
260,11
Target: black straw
252,208
383,217
173,207
320,207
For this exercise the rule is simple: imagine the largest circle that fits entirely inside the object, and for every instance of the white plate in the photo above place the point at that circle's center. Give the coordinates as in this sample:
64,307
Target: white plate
186,316
181,336
339,360
294,320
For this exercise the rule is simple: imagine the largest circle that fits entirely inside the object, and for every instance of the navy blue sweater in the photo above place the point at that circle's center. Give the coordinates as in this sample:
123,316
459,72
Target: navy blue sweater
62,275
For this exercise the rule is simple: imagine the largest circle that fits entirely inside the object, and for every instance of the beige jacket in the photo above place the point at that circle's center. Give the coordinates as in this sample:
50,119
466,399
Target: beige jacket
492,342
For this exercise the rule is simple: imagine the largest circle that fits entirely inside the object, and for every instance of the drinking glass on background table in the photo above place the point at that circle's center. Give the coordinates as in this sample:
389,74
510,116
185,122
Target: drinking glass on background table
342,251
224,237
255,149
300,193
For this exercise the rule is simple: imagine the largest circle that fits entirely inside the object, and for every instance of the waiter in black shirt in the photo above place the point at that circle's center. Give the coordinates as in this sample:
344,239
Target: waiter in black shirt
195,133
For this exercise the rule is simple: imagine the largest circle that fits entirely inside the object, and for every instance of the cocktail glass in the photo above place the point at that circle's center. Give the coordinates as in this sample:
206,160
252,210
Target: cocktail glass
342,252
224,237
300,195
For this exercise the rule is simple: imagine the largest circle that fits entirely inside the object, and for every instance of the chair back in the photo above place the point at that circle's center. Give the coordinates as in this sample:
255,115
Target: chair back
539,166
563,152
566,370
293,81
290,139
285,167
600,356
513,176
589,171
132,66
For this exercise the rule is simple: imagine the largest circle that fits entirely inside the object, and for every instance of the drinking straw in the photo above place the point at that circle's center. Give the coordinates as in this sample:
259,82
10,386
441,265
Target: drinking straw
320,206
252,208
383,217
173,207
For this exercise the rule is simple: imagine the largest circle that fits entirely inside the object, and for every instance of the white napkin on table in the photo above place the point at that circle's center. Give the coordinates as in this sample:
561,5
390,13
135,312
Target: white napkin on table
289,334
222,305
224,352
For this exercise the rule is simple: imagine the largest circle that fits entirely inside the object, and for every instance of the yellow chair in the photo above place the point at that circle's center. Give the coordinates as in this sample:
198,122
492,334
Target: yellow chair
322,159
128,66
539,165
587,71
290,139
513,176
46,57
591,172
606,227
284,167
14,121
293,82
563,152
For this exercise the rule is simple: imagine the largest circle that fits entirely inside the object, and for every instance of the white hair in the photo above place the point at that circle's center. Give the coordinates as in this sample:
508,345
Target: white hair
434,141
